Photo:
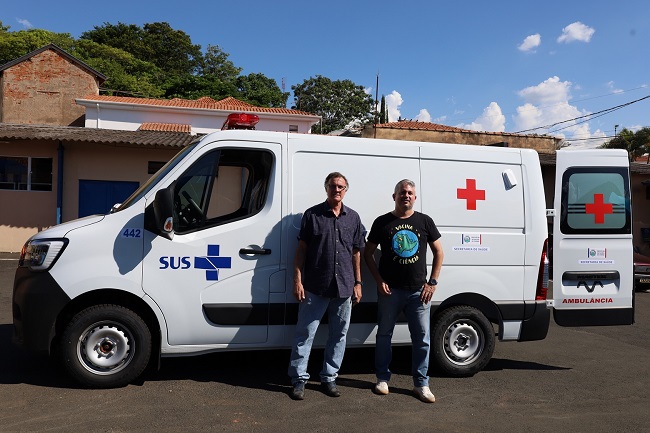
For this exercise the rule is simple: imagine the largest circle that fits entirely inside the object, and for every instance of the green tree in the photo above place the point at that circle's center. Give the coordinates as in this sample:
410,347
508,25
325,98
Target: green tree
339,103
383,112
124,72
126,75
17,44
173,50
170,50
190,86
189,73
636,143
257,89
127,37
215,64
215,77
151,61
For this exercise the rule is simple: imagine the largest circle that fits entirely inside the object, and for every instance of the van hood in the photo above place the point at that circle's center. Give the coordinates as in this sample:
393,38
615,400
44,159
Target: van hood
61,230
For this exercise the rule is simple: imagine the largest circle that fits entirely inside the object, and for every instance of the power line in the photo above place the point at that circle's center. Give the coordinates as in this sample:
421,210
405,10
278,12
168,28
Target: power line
618,92
573,101
588,116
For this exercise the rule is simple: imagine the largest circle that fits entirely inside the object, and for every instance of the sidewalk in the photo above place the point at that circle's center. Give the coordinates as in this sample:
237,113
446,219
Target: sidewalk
9,256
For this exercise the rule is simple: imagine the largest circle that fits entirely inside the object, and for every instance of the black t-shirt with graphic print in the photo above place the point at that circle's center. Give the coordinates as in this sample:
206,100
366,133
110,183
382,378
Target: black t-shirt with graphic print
404,244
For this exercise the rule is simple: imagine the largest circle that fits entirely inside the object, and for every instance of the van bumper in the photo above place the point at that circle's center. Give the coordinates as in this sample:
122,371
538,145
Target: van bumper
538,319
37,302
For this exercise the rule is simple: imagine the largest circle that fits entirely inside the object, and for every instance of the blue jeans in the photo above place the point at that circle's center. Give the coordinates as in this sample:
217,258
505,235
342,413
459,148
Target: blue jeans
310,313
419,323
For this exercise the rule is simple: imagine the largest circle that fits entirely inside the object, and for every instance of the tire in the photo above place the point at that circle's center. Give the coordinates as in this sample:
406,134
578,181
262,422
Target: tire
641,287
105,346
462,341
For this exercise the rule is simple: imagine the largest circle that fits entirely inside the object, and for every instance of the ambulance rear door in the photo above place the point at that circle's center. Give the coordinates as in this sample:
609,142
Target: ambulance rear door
593,278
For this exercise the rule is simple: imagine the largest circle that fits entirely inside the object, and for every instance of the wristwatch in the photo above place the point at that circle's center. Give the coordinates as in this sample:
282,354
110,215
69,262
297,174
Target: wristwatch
432,282
358,282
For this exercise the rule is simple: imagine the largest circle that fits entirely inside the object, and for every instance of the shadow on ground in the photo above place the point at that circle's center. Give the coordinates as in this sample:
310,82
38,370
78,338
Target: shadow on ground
266,370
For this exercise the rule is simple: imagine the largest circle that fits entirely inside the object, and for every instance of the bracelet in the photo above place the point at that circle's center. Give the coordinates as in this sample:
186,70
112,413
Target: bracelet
358,282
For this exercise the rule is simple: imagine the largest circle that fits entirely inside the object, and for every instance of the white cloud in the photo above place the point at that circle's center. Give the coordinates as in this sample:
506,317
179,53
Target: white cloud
423,116
593,140
24,23
530,43
635,128
547,104
613,88
576,32
393,102
492,120
551,91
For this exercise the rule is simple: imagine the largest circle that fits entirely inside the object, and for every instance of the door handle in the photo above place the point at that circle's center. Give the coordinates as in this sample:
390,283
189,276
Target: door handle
604,275
263,251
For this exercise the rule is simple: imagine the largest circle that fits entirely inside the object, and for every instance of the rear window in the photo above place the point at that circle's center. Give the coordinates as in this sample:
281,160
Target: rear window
595,200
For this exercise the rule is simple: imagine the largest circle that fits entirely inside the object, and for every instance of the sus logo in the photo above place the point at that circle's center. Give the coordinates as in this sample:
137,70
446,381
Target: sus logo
212,262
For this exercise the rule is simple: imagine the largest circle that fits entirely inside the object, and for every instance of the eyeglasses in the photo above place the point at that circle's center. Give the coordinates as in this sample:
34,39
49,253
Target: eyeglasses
337,187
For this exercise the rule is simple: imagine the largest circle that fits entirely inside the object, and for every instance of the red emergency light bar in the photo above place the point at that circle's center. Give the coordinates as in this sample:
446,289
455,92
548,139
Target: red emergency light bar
241,121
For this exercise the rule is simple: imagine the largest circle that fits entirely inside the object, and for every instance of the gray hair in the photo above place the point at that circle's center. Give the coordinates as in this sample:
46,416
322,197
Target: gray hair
334,175
404,182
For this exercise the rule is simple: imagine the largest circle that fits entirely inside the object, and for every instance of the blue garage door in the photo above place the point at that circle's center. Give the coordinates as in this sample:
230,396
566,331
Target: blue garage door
99,196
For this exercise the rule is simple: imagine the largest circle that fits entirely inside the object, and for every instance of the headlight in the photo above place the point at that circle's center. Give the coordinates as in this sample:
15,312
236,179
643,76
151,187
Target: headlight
40,254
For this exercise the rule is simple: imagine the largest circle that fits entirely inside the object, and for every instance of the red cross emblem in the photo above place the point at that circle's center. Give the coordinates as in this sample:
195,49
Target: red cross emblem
599,208
470,193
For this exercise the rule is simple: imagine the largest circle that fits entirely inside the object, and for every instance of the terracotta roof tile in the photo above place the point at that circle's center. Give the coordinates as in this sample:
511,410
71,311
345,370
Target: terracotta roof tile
643,158
207,103
428,126
168,127
425,126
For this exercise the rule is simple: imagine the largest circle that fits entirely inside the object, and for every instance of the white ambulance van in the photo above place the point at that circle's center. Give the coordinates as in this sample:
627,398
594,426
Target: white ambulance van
199,259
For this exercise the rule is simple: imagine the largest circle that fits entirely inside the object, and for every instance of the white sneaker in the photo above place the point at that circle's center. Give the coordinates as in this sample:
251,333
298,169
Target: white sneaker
381,387
424,394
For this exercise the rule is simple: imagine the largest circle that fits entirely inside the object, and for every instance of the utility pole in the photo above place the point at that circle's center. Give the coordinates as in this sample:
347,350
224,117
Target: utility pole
376,105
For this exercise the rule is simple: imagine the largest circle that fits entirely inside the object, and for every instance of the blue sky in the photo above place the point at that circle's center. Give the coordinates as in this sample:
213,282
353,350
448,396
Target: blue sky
491,66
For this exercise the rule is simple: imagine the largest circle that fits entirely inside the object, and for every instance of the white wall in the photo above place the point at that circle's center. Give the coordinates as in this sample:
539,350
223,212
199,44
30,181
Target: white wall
129,117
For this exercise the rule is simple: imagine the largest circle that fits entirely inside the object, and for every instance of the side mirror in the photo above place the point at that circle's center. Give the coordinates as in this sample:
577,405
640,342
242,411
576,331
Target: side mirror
163,210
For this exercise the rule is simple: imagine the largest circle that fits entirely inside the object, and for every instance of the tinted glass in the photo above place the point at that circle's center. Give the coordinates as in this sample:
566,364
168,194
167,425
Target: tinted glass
223,186
596,200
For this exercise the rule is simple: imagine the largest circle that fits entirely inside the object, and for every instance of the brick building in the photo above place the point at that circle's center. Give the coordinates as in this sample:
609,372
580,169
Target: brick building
41,88
433,132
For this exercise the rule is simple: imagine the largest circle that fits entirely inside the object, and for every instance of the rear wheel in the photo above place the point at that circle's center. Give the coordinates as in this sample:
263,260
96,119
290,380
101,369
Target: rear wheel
462,341
105,346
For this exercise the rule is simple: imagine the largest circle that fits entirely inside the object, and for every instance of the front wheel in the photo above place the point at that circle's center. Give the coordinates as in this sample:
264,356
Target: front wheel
105,346
462,341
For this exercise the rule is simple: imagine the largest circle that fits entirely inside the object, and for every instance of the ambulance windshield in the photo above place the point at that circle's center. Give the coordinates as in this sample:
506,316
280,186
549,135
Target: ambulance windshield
153,180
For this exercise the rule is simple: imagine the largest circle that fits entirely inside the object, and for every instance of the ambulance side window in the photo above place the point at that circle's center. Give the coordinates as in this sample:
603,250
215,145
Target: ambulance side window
595,201
223,186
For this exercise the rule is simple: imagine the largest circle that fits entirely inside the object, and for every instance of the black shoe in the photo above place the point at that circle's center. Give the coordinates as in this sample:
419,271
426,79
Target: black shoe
329,388
298,391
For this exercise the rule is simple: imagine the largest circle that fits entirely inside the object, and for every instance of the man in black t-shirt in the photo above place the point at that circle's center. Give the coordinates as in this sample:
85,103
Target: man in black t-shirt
402,284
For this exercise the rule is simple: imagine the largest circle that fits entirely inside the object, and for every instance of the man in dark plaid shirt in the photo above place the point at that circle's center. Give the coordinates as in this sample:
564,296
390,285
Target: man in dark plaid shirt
327,278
